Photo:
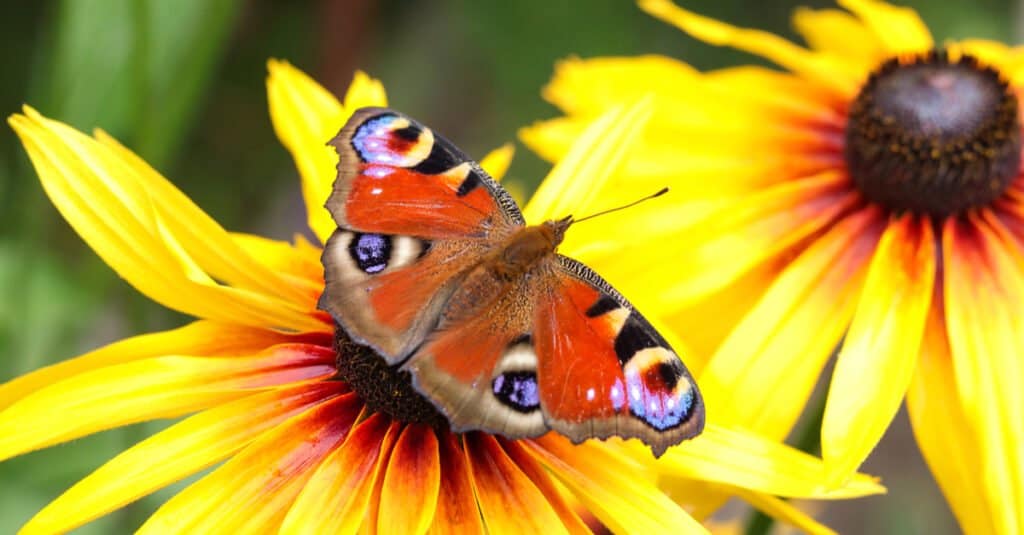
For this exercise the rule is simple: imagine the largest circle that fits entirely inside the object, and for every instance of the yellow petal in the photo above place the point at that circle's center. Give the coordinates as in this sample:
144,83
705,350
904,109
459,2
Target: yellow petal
771,356
612,485
589,87
699,498
252,492
457,511
306,116
782,96
708,169
719,314
993,53
983,290
149,389
578,178
747,232
565,506
299,264
944,433
202,338
509,501
817,66
604,240
412,480
497,161
784,511
703,499
204,241
105,201
741,459
585,88
840,33
877,359
175,453
336,498
364,92
898,28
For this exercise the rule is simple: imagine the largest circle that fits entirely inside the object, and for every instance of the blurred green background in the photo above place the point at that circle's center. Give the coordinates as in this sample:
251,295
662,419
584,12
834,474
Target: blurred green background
182,83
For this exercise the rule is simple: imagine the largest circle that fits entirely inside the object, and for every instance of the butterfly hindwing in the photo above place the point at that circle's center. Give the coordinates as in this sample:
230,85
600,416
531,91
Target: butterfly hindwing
604,370
481,380
478,367
414,213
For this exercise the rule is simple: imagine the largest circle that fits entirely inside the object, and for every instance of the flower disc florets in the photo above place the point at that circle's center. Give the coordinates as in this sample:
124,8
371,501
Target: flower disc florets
934,134
383,388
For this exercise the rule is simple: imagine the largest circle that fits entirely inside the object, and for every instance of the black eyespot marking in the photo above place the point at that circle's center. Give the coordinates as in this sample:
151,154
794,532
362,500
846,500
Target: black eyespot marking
371,252
670,373
471,182
603,305
518,390
632,338
409,133
524,338
439,160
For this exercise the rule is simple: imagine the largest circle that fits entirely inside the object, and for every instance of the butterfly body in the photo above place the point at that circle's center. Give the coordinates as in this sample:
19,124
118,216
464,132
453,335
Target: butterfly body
434,267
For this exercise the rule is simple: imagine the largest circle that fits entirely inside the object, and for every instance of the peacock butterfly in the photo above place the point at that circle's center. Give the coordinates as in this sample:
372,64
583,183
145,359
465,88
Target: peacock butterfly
434,267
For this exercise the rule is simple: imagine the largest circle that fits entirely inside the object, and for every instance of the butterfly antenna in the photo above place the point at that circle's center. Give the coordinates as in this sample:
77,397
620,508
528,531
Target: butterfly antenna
659,193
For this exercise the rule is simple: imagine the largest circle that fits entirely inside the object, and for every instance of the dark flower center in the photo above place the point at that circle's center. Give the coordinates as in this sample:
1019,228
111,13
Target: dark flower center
383,388
934,135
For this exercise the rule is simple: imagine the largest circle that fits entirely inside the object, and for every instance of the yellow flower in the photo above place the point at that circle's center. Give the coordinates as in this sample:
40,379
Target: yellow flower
870,193
301,451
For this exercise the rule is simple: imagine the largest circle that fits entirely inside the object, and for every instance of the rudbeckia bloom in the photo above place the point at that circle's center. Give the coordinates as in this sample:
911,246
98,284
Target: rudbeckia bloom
308,432
868,197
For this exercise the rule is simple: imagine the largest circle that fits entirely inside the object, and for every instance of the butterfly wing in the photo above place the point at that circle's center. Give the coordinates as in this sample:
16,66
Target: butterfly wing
396,176
603,370
414,213
560,350
478,367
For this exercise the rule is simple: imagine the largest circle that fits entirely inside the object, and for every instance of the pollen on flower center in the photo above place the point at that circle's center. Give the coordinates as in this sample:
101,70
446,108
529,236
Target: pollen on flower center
383,388
934,134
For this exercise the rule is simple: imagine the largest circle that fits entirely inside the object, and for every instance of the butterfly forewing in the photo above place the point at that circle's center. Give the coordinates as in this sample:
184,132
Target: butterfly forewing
395,176
414,213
